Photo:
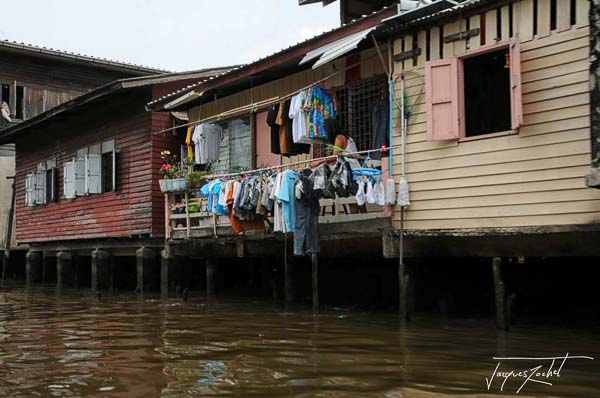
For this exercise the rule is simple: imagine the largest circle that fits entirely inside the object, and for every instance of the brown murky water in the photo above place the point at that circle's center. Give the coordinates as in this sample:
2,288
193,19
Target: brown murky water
72,344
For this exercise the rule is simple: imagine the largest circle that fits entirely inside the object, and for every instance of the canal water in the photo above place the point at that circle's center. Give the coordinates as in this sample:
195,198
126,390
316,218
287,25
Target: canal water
71,343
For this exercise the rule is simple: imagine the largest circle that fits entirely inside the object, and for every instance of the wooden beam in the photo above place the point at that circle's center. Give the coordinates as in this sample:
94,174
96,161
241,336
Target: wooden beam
407,55
461,35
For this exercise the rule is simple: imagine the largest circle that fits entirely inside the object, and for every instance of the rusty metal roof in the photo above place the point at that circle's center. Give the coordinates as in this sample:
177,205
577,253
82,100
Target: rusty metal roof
29,49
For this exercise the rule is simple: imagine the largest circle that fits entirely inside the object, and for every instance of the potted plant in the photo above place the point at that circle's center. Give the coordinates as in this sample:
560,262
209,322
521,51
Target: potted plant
173,175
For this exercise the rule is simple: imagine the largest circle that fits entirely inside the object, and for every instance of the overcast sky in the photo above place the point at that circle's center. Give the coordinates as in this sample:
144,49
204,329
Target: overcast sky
176,35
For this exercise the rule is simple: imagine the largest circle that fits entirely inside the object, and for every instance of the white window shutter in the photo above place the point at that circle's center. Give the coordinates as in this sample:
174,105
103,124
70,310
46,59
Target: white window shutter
69,180
29,190
93,175
80,176
39,195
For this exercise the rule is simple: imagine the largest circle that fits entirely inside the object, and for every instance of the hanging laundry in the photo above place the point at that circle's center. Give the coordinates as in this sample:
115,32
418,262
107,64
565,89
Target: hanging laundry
300,119
390,192
306,232
380,126
320,106
403,193
207,139
271,121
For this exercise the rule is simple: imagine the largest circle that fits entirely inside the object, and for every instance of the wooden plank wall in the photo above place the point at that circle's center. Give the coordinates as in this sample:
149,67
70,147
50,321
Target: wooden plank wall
123,213
530,179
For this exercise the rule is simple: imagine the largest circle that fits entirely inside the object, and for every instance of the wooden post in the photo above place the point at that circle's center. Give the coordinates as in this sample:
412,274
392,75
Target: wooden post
99,269
211,276
167,217
403,287
289,278
500,294
64,268
167,261
314,258
593,179
145,267
188,227
33,266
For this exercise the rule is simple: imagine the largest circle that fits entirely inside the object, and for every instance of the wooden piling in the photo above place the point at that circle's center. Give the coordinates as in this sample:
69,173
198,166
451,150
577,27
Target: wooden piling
403,291
499,294
211,276
64,268
145,259
290,291
33,266
99,271
314,259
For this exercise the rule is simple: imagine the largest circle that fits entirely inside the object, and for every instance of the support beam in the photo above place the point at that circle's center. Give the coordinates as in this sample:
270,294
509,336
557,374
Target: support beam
64,268
403,291
5,259
33,266
290,289
147,277
168,268
314,259
100,271
499,294
211,276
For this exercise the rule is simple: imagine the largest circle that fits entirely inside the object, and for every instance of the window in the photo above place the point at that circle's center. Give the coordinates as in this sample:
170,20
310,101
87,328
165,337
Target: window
40,186
355,103
92,171
235,151
474,95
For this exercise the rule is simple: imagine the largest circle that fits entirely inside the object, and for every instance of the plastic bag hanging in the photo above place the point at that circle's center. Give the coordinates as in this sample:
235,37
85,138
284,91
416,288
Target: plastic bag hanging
403,194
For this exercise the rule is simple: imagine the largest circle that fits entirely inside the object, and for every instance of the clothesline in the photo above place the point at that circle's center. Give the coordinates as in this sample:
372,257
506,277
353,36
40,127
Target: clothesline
283,166
263,103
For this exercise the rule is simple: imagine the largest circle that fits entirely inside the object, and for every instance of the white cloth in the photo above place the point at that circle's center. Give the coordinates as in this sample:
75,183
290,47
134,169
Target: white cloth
299,119
222,194
371,194
277,208
403,193
390,192
5,115
351,147
360,194
379,193
207,141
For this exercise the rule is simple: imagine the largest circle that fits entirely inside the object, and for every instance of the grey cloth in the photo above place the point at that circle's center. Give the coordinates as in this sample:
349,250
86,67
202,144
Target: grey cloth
266,200
307,227
380,126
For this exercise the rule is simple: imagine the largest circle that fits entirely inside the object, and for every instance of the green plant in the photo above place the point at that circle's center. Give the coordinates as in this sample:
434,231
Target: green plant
196,179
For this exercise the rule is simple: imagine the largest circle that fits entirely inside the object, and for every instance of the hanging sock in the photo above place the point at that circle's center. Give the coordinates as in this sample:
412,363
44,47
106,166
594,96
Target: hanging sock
371,198
390,192
380,191
403,194
360,194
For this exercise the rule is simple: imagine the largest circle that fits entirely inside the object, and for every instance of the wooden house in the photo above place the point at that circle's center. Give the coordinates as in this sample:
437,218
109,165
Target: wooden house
499,133
35,79
87,171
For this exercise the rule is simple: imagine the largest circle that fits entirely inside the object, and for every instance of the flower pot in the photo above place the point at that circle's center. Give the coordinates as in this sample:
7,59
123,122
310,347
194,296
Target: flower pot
163,185
176,184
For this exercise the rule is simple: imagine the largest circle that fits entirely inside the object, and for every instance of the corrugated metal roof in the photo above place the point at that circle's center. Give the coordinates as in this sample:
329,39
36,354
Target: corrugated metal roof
14,46
337,49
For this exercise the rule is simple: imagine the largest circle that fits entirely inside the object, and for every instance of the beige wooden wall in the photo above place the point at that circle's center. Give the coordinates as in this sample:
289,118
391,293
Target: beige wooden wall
370,66
530,179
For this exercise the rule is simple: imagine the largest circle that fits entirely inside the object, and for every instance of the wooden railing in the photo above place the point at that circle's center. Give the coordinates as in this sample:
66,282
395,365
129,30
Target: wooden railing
182,221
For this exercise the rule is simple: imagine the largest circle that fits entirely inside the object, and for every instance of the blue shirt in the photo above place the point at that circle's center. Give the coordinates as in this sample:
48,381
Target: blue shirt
286,195
216,190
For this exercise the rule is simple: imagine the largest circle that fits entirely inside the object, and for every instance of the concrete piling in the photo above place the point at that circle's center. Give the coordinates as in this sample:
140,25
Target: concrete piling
33,266
146,269
211,276
100,269
64,268
499,294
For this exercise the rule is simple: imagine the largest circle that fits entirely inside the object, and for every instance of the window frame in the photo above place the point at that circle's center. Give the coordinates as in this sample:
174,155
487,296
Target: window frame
462,137
83,156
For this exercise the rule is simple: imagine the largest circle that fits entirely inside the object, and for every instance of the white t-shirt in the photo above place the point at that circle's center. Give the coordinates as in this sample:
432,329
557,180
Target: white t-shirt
299,120
207,141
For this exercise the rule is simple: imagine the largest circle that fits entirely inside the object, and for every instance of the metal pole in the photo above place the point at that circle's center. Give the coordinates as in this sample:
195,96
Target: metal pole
8,234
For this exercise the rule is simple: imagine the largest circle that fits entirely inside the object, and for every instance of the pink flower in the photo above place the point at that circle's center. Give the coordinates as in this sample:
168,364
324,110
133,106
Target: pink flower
165,166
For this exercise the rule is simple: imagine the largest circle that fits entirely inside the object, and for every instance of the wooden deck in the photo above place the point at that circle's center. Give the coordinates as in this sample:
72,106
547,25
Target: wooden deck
183,224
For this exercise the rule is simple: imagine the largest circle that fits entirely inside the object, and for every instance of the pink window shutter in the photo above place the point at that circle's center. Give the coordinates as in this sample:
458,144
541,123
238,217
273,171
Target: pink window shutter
516,99
441,91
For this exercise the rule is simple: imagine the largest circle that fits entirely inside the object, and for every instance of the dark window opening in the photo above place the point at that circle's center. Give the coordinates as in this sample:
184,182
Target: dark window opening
552,14
441,42
510,20
107,172
535,17
482,29
487,93
5,96
428,45
51,185
19,103
573,12
498,23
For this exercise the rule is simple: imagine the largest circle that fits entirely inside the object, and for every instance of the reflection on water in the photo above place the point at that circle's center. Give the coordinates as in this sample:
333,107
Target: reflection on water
70,343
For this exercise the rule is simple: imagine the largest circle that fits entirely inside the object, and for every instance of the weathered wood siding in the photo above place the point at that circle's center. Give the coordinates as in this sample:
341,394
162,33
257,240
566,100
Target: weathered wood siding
534,178
126,212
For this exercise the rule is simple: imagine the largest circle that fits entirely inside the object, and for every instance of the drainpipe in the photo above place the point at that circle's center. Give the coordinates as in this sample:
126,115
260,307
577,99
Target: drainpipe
593,179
